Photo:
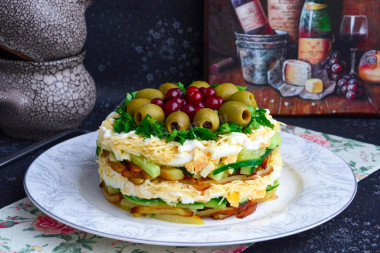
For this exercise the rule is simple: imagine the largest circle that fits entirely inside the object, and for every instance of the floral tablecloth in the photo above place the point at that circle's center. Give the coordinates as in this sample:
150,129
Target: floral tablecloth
24,228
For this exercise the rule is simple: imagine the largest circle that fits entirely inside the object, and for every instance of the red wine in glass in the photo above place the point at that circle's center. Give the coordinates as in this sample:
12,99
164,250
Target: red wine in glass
353,33
354,40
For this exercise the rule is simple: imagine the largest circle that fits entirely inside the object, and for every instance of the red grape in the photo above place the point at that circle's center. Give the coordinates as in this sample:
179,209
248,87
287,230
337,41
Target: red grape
220,100
158,101
339,91
202,90
342,82
210,92
189,110
347,77
197,109
336,68
212,103
194,97
199,104
328,69
323,63
351,95
179,101
333,61
344,89
352,87
336,55
171,106
192,89
343,64
353,81
336,76
173,93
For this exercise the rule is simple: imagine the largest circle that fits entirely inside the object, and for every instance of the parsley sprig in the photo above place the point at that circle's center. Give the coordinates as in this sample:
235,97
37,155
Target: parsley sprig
149,127
258,119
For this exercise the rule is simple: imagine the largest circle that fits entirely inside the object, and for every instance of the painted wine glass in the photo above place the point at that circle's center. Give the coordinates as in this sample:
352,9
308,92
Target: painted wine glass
353,34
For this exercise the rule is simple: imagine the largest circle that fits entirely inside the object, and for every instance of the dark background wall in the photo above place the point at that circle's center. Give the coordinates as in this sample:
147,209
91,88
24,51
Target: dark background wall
138,43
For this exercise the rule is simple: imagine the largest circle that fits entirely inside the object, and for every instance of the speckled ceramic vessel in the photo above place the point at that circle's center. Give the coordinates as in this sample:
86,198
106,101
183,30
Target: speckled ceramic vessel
38,99
43,30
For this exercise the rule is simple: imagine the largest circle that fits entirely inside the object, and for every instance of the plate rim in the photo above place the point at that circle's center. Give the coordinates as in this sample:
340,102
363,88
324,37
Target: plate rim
192,244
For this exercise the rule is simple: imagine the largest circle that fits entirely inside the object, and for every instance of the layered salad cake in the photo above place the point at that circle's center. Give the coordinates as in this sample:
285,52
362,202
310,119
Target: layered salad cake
182,154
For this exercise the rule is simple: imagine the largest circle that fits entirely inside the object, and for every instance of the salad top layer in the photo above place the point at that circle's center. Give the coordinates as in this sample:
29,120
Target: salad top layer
200,112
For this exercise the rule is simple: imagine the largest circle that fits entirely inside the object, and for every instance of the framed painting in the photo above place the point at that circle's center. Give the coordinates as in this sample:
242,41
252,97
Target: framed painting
298,57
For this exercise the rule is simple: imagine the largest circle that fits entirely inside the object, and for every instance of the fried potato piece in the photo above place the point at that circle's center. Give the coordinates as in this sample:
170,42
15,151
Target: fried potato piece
195,220
171,174
113,198
118,167
162,210
246,209
212,212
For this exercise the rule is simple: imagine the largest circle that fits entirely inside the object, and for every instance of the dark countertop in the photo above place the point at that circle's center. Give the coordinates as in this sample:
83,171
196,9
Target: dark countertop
118,44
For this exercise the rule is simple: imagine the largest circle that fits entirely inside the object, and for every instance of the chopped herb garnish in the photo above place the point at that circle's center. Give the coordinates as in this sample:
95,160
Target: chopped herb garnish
129,97
149,127
186,172
246,163
98,150
258,119
181,86
226,128
272,187
241,88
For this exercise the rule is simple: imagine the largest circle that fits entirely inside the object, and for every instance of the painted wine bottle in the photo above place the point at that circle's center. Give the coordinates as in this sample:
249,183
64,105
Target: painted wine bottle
314,42
285,15
252,17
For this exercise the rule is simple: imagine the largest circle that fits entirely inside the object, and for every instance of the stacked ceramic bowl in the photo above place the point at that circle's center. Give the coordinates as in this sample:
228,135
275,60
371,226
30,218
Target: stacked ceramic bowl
48,90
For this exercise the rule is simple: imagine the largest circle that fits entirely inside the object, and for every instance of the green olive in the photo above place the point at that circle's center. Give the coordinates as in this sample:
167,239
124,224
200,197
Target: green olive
199,84
136,103
245,97
149,94
206,118
177,120
225,90
234,111
167,86
153,110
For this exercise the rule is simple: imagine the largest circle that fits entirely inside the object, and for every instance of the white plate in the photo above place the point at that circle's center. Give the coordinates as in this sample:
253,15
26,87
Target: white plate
315,186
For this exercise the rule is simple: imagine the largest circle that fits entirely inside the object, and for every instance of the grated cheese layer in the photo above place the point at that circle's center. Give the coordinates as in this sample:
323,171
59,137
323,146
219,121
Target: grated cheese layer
193,154
174,191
